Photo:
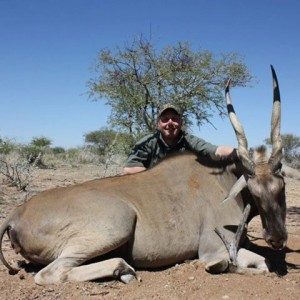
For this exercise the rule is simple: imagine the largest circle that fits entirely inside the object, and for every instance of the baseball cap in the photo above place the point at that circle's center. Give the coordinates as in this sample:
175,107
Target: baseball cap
169,106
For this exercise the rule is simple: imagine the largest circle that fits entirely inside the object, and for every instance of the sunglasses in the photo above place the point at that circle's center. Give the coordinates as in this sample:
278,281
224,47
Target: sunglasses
165,119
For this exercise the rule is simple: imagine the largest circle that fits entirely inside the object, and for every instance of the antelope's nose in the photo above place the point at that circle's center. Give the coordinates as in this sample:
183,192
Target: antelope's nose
277,244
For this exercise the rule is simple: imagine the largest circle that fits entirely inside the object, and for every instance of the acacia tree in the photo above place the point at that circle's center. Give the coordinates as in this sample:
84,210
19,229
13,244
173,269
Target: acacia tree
100,139
41,142
104,139
36,149
137,80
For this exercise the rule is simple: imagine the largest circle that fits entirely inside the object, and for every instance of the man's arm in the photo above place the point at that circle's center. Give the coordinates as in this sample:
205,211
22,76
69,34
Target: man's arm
140,156
132,170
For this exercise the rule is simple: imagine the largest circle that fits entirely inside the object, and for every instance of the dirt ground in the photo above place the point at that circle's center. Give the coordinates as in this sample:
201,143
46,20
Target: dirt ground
183,281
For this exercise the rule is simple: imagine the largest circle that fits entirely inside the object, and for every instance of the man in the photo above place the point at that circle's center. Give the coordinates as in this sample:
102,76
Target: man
169,138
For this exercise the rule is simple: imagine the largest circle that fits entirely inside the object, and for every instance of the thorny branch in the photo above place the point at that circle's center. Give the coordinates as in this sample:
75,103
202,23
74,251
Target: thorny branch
18,173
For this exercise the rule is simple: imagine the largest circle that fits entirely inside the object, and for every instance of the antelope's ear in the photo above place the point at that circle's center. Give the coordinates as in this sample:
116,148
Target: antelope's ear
240,184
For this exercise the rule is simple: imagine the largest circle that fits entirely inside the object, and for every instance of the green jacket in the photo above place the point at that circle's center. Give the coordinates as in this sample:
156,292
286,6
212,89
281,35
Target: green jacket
152,148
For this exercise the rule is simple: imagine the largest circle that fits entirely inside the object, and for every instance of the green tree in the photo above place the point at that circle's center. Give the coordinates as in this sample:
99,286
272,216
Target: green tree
58,150
36,149
100,139
103,139
290,144
7,146
41,142
137,80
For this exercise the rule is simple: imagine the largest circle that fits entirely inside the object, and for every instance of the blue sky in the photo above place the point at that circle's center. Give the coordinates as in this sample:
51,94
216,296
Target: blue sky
48,47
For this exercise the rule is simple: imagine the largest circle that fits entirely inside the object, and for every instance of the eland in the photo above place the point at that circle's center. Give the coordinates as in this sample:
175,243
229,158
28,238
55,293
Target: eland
170,213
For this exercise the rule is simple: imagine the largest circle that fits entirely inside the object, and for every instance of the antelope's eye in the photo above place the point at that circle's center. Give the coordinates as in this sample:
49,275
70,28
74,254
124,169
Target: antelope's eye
250,174
277,170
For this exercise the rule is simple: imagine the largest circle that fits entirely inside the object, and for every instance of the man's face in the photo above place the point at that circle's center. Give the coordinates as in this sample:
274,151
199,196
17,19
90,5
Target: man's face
169,124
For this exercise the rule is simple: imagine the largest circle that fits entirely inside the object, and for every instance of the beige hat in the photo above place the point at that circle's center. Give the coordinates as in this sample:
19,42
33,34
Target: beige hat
169,106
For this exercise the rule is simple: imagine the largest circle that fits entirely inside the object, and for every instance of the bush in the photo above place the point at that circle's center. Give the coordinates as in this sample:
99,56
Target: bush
107,140
7,146
58,150
84,155
16,169
18,161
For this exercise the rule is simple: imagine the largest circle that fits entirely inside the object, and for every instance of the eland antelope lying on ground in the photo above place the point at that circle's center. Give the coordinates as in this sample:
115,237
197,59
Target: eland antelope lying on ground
168,214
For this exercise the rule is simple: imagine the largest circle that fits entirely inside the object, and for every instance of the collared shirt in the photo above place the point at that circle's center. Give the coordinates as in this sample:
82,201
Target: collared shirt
152,148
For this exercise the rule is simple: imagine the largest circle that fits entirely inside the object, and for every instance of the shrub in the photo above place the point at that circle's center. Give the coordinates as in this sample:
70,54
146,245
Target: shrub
58,150
16,169
7,146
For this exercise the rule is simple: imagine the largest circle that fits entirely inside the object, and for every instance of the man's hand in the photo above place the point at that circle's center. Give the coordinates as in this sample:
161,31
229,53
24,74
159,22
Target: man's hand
226,152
